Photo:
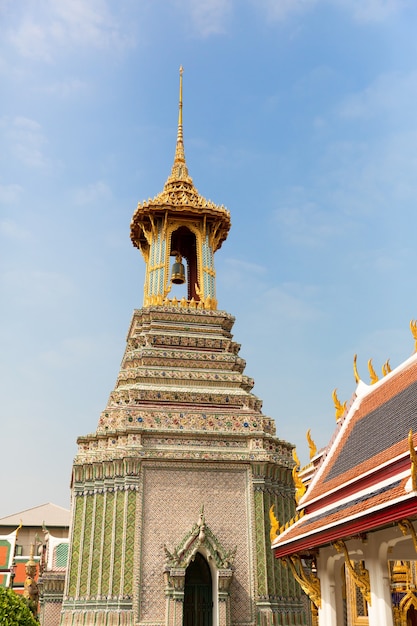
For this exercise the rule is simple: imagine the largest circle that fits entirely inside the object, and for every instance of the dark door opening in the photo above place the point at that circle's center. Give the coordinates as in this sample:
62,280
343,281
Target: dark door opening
411,616
198,601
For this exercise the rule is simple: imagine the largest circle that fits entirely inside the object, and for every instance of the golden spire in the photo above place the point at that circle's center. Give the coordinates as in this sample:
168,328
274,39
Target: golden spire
179,169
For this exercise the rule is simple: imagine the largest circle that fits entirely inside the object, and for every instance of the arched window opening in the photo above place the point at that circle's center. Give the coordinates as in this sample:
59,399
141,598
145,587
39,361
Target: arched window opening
183,242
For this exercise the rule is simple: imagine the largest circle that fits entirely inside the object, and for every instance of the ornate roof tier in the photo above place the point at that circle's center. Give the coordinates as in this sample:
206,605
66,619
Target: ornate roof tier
180,223
179,196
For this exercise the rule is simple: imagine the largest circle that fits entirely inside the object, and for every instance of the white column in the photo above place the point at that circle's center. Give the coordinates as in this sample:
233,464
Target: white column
380,609
328,571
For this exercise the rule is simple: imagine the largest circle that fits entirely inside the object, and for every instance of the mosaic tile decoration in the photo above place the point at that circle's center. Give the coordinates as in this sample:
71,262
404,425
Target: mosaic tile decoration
181,429
172,493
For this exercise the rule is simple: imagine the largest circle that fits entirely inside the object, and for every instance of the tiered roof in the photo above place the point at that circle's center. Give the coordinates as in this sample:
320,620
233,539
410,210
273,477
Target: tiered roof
366,479
182,375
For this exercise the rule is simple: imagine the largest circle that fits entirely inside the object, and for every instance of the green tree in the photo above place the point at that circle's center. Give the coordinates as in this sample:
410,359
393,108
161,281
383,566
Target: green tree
14,610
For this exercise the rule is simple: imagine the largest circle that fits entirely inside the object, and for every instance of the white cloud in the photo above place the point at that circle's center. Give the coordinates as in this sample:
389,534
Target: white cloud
93,193
291,303
245,266
10,229
373,10
308,225
25,140
360,10
391,93
280,9
392,260
47,25
32,287
209,17
65,89
10,194
69,351
235,273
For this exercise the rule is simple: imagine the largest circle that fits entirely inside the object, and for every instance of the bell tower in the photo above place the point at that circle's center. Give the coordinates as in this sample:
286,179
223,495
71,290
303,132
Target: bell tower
174,493
179,223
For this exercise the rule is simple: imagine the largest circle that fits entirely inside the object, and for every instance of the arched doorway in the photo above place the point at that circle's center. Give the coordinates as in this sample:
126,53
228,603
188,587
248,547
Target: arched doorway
198,601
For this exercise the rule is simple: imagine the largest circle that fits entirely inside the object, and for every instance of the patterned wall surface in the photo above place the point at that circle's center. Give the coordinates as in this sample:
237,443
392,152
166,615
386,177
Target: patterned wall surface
172,500
182,429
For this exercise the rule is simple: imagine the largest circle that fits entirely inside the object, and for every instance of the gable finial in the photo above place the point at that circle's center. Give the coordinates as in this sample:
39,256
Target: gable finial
355,369
312,446
339,407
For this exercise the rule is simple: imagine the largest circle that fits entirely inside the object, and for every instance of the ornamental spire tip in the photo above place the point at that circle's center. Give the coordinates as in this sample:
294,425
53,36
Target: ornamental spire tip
179,150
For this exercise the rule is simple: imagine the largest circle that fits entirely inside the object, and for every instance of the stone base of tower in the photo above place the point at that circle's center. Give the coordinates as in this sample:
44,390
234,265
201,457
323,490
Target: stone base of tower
171,495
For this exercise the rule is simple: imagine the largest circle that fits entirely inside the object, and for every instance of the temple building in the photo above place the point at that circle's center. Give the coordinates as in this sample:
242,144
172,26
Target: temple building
33,557
22,531
173,492
353,542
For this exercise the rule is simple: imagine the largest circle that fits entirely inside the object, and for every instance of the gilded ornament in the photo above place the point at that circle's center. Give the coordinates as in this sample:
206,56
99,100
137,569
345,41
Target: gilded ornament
300,487
274,531
355,369
413,328
312,446
360,576
386,368
406,528
308,581
372,373
179,209
340,408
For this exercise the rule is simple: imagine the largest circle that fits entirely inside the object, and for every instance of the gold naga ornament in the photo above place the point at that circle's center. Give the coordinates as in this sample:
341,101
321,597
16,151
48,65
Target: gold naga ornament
300,487
308,581
339,407
386,369
274,530
312,446
360,574
413,328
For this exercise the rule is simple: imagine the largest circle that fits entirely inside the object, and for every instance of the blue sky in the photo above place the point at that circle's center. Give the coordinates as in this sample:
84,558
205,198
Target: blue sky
299,116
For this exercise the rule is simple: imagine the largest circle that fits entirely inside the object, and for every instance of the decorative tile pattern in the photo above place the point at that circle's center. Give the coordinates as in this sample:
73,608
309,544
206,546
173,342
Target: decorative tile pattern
171,493
85,570
181,430
97,539
118,543
107,547
75,547
130,543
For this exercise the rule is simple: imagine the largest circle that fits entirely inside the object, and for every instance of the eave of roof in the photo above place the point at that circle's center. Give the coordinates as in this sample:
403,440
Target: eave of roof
381,510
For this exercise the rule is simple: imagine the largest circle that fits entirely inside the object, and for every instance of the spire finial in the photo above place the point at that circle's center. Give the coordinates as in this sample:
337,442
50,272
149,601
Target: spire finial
179,150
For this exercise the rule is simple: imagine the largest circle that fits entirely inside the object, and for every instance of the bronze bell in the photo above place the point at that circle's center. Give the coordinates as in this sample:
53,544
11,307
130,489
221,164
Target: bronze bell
178,271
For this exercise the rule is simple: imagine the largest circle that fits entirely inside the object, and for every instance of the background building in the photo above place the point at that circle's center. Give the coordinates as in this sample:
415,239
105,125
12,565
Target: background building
20,531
